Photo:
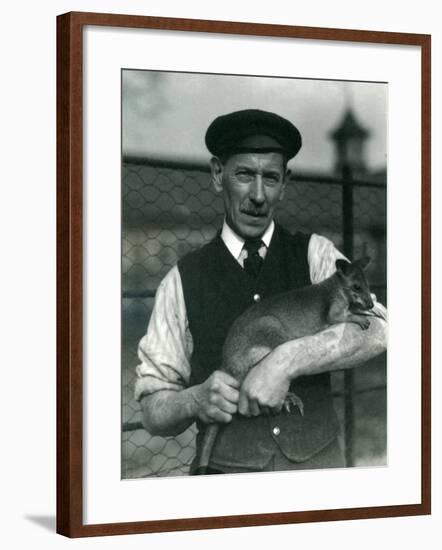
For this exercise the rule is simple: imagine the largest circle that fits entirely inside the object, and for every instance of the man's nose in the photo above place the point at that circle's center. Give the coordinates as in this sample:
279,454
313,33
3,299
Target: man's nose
257,190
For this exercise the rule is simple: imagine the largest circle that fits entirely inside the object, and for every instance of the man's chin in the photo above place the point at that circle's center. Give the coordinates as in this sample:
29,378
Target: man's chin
255,227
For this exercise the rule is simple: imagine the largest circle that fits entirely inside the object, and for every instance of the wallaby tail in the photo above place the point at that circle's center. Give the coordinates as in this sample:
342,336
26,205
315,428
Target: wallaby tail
206,448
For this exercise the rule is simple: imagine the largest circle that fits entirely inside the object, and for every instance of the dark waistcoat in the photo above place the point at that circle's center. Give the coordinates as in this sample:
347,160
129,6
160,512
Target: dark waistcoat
216,291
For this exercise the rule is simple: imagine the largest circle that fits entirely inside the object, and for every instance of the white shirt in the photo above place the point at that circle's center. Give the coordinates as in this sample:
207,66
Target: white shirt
235,243
165,350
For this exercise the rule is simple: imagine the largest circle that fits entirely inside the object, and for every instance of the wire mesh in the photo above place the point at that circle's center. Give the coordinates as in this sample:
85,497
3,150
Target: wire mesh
170,209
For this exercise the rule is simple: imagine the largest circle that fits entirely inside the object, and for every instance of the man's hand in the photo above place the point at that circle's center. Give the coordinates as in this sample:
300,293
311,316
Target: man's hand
216,399
264,389
338,347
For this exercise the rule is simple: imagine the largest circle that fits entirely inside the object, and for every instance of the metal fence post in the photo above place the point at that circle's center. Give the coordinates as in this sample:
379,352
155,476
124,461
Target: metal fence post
347,234
169,210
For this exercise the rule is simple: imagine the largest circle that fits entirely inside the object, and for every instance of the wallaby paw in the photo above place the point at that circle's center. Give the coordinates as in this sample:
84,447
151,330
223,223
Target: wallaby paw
364,323
293,400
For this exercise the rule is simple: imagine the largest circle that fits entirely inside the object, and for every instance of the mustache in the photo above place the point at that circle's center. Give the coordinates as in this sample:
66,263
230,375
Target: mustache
254,211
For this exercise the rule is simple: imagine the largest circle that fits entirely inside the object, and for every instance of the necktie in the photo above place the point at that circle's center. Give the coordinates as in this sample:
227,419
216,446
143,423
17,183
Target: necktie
253,262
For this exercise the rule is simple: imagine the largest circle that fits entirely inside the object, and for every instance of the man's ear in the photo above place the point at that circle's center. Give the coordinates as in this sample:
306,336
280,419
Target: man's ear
216,169
285,181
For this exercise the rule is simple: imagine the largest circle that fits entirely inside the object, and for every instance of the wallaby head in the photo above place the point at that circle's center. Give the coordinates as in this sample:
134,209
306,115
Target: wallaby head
354,283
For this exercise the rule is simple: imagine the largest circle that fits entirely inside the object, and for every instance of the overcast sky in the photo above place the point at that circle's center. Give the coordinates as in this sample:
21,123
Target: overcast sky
166,114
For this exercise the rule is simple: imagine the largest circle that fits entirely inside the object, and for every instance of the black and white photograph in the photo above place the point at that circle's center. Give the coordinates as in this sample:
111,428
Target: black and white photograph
254,274
220,247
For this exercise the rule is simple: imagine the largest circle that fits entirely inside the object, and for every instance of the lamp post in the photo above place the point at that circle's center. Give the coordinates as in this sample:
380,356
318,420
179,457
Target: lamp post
349,138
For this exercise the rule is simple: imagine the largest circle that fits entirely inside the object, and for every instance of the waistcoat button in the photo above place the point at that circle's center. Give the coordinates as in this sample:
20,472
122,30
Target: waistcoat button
276,430
256,297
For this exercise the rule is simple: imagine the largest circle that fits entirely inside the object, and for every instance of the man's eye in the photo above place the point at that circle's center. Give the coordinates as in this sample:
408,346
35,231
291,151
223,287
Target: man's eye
356,288
272,176
244,175
272,179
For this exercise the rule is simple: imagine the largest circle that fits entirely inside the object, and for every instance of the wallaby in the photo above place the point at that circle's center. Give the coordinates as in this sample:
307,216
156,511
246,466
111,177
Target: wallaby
342,298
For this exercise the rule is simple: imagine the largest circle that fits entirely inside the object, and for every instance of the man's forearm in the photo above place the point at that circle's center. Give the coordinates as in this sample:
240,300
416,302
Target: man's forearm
168,412
337,347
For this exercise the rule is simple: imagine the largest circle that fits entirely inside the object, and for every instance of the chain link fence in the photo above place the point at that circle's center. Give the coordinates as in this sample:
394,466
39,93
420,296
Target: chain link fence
169,209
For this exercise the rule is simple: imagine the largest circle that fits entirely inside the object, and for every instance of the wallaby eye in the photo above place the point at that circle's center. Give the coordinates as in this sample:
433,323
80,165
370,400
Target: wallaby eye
356,287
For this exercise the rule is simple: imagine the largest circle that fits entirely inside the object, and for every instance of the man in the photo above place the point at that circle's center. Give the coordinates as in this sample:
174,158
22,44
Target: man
252,257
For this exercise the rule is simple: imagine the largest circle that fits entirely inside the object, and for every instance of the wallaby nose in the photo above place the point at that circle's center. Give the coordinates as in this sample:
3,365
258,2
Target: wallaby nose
370,304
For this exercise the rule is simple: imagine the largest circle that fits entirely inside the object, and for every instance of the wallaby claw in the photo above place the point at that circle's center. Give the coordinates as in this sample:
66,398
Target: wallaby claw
364,323
293,399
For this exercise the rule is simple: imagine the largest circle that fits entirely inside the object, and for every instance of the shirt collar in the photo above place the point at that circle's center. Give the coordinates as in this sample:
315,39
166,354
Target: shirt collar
235,243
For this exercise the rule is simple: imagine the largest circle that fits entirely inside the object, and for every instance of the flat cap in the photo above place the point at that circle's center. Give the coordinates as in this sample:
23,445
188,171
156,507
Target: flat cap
252,130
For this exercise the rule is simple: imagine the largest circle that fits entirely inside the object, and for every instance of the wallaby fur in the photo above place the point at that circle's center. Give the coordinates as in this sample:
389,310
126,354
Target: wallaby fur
342,298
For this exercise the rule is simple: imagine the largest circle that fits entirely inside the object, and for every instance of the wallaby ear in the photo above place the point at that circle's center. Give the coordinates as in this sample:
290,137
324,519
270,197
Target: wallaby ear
342,266
363,262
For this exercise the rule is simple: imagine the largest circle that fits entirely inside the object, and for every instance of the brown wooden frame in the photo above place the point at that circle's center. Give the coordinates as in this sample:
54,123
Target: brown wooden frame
70,266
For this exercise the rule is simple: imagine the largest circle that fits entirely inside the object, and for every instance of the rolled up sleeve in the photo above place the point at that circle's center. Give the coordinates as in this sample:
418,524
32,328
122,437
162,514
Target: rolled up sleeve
166,348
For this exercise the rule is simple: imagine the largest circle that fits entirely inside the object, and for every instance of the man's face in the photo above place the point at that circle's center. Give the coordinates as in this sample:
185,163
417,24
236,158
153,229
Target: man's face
252,184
